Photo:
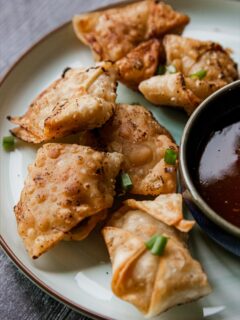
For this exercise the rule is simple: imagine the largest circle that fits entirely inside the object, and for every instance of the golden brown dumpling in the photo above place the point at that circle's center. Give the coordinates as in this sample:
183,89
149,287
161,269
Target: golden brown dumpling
134,132
82,99
65,185
153,283
202,67
140,63
85,227
112,33
178,91
191,55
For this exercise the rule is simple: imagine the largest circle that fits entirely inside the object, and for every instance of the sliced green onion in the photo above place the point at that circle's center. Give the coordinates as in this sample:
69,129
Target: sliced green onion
126,182
149,244
161,69
199,74
8,143
157,244
170,156
171,68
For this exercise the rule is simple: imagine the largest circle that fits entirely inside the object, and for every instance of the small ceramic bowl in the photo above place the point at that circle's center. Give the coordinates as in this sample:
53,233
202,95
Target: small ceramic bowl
223,103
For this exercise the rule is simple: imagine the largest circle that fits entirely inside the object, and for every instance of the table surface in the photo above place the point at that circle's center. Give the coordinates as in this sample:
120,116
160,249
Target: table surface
20,298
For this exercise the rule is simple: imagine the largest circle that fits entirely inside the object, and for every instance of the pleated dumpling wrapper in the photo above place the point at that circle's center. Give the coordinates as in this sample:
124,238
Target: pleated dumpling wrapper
112,33
82,99
190,56
134,132
196,69
140,63
153,283
177,90
66,184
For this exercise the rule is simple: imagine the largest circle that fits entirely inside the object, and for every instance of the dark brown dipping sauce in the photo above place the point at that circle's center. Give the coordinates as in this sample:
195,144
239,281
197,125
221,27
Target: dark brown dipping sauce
218,176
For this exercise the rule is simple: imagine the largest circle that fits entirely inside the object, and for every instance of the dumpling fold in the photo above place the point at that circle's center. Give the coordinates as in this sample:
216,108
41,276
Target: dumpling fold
134,132
191,55
67,187
112,33
140,63
178,91
153,283
199,68
82,99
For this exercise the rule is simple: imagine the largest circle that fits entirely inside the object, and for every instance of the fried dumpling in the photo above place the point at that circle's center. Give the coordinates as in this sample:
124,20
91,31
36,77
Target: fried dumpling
178,91
153,283
202,67
140,63
65,185
134,132
189,56
112,33
85,227
82,99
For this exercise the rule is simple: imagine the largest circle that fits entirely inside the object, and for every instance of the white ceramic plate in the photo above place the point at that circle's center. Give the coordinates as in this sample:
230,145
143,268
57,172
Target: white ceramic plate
79,274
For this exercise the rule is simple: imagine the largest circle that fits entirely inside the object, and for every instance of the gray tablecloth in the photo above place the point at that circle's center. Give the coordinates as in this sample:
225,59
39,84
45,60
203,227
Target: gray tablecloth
22,23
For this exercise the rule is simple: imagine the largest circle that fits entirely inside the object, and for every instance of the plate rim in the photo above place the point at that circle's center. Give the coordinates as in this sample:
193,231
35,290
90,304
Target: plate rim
44,287
3,244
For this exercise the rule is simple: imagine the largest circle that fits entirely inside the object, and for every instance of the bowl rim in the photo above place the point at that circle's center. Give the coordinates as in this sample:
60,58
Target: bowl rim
184,172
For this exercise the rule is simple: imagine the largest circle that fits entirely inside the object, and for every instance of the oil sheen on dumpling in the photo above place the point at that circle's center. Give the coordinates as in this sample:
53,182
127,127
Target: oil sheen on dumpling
112,33
191,55
153,284
202,67
65,185
82,99
140,63
134,132
178,91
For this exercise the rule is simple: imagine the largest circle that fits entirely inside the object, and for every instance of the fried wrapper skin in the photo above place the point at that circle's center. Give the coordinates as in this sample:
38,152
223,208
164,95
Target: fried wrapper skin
82,99
178,91
112,33
140,63
85,227
65,185
190,55
153,284
134,132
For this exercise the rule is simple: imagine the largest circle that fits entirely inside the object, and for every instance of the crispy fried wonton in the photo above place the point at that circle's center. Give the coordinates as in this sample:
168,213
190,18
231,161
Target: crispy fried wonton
134,132
202,67
140,63
82,99
178,91
65,185
150,282
84,228
112,33
191,55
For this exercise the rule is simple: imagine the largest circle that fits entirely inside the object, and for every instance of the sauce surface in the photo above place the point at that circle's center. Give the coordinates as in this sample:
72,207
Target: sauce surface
218,177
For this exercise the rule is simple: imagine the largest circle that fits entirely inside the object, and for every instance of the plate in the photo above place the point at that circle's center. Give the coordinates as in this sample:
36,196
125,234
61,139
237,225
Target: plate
79,274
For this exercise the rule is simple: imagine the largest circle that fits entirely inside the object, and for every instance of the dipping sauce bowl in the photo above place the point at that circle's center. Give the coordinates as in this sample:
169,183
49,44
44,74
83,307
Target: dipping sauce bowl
220,110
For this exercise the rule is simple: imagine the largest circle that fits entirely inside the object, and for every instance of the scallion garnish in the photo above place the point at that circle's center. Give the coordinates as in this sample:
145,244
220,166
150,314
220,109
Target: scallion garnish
199,74
8,143
171,68
126,182
170,156
149,244
157,244
161,69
